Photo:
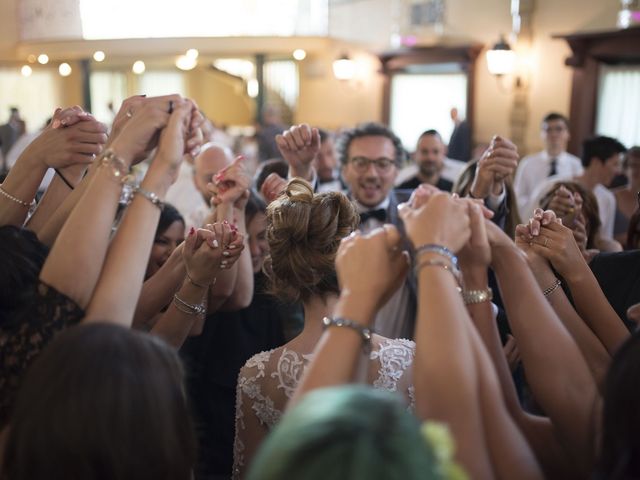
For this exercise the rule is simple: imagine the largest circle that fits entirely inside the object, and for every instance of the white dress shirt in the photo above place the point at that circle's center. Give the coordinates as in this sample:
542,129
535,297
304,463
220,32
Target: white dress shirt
606,209
534,169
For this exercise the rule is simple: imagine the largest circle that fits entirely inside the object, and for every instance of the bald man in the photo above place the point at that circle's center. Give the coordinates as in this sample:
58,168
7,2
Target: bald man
189,193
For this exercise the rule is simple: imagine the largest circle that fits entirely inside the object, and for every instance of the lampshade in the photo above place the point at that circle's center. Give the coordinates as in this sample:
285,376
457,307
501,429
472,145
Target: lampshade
501,60
344,68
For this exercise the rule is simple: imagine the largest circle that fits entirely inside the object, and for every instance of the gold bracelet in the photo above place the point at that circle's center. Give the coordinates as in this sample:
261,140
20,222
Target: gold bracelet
471,297
110,159
17,200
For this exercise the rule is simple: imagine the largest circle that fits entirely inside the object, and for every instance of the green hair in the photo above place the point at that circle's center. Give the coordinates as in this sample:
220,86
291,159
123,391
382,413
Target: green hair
347,433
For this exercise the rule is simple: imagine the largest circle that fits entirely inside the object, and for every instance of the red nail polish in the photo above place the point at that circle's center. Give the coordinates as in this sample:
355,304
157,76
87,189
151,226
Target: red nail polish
192,231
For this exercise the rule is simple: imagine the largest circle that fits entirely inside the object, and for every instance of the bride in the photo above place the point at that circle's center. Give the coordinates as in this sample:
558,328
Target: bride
304,232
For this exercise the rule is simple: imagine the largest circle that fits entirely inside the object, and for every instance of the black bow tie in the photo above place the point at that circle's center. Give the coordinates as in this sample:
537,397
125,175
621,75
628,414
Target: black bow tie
379,214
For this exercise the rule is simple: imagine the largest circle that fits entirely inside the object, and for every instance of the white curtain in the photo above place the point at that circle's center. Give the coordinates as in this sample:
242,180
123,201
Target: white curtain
619,104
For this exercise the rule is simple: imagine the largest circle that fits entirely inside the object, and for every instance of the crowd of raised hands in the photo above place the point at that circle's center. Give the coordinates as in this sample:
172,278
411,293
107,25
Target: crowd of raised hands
565,333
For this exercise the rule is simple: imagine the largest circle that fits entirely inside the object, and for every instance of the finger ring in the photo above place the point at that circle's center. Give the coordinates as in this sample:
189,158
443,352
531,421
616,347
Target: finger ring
129,113
546,241
170,107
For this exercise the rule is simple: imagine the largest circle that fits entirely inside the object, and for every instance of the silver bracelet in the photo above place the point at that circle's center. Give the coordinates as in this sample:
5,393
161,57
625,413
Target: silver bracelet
440,250
471,297
188,308
6,194
455,271
365,332
152,197
549,290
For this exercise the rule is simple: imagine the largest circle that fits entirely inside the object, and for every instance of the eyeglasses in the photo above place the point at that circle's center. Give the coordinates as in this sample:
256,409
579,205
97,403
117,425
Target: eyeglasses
555,129
382,164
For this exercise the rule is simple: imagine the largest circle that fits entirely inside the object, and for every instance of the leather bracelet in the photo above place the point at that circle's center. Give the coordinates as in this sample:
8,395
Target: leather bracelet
66,182
471,297
365,332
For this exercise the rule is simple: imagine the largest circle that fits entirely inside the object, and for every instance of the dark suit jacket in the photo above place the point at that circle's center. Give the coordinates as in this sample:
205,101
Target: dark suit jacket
618,274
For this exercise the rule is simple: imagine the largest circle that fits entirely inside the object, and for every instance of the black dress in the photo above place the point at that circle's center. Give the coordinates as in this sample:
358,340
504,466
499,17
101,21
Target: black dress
213,361
24,337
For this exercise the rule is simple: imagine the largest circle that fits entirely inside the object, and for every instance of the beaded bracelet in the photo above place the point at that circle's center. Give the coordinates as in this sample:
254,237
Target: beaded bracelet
365,332
440,250
6,194
549,290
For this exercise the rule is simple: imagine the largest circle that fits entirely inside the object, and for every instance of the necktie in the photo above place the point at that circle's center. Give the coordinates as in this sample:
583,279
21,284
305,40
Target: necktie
379,214
553,167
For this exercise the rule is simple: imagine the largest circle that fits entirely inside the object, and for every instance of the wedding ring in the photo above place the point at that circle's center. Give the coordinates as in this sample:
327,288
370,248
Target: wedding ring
129,113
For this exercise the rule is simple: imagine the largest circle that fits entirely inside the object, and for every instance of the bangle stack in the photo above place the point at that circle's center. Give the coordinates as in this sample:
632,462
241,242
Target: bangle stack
365,332
6,194
188,308
450,264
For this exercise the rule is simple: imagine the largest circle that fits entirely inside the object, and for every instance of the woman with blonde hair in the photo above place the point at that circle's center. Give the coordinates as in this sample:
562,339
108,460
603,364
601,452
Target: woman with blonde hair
304,232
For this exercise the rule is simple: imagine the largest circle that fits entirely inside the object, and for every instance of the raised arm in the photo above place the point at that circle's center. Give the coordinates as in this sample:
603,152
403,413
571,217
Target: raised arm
120,282
299,146
370,269
57,147
556,243
202,257
80,143
555,367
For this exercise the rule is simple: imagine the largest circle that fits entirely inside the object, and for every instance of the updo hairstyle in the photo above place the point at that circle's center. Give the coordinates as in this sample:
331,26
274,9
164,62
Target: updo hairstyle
304,231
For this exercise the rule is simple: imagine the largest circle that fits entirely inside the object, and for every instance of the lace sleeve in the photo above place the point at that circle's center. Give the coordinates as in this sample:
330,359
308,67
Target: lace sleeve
251,408
27,334
395,359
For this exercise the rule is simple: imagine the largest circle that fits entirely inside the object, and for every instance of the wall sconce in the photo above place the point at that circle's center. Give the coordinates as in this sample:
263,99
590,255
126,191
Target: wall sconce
501,60
344,68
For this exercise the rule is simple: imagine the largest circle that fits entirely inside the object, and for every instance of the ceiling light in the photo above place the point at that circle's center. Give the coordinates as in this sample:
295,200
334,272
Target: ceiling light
138,67
192,53
64,69
99,56
43,58
26,70
184,62
253,88
299,54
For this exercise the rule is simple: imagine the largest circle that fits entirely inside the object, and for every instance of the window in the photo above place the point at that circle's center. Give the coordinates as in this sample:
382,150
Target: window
108,90
423,101
619,103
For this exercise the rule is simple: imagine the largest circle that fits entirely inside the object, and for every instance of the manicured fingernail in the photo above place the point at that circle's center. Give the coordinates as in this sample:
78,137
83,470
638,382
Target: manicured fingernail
225,254
231,247
56,123
215,243
195,152
225,222
192,231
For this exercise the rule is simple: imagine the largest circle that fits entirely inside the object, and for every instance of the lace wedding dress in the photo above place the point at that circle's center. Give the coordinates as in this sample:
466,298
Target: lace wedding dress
268,380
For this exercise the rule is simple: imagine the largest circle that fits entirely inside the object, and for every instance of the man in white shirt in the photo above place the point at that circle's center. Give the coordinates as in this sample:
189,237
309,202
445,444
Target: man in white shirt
553,161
